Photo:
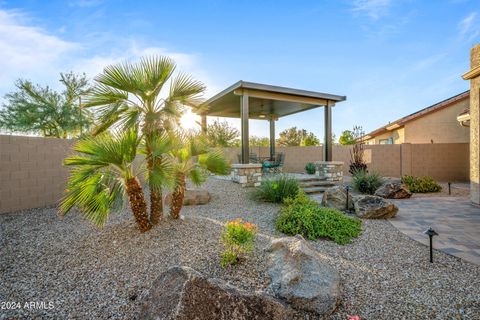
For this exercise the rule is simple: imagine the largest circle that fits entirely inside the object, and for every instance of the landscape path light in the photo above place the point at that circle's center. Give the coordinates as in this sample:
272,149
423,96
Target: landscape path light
430,232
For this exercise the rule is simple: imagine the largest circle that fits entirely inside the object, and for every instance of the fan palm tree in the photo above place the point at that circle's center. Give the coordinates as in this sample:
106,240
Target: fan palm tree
194,160
104,172
127,94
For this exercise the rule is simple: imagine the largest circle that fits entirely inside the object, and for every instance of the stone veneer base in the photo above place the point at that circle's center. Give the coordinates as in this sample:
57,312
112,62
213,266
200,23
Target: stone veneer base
247,175
329,170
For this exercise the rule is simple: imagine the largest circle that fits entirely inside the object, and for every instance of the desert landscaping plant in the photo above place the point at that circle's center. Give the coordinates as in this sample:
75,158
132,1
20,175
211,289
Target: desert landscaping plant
276,189
357,162
310,168
297,137
302,215
222,134
421,184
103,172
40,110
366,182
193,159
238,239
127,94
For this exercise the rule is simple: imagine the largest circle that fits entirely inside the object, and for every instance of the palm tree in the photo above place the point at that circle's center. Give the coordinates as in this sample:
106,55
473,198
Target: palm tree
103,172
194,160
127,94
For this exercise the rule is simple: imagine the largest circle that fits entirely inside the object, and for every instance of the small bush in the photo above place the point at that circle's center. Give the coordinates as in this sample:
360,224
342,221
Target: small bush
421,184
310,168
366,182
238,239
354,167
276,189
305,217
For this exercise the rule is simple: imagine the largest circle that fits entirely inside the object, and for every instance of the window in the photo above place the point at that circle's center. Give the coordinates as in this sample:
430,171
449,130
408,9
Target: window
386,141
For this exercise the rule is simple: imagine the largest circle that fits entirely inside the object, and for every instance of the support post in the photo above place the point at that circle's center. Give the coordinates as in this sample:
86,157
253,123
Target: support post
327,145
244,127
203,123
272,138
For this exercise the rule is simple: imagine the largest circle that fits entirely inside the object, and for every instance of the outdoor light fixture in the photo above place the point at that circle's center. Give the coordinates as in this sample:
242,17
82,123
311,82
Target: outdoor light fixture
449,188
262,116
430,232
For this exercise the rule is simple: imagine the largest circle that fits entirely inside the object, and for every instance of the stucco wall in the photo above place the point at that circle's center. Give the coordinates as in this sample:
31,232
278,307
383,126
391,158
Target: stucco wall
475,128
440,127
32,175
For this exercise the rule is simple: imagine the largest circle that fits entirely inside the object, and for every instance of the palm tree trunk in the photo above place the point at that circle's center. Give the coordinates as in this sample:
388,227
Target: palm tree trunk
156,198
137,202
177,197
156,206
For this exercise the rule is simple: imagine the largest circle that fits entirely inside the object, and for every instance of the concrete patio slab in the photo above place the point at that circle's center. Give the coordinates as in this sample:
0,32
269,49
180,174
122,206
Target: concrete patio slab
456,220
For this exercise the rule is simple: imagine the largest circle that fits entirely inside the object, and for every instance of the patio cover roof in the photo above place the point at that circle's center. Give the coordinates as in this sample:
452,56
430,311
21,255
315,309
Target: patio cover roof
249,100
265,101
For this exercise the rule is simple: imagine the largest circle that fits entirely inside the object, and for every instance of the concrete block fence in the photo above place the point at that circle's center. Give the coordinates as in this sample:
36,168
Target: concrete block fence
32,175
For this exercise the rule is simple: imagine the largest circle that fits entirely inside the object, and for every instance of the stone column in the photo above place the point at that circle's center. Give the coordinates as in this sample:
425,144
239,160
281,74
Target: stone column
474,76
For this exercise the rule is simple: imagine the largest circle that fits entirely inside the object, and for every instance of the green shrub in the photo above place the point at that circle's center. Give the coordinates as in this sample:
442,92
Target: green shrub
310,168
238,239
366,182
421,184
305,217
276,189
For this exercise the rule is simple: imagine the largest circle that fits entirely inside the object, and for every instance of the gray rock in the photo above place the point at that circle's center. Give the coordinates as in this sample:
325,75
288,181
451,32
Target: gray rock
393,190
374,207
299,277
192,198
336,197
182,293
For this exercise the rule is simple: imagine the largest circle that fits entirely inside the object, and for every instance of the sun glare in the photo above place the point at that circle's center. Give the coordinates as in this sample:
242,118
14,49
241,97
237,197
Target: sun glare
190,120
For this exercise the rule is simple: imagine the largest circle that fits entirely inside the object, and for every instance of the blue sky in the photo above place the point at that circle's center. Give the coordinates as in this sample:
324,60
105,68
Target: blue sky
389,57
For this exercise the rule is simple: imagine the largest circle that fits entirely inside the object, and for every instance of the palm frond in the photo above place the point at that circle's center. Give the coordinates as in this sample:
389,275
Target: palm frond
102,95
185,90
215,162
198,176
156,71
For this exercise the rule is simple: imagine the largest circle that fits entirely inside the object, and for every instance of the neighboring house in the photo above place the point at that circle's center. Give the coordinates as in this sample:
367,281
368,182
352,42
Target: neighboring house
435,124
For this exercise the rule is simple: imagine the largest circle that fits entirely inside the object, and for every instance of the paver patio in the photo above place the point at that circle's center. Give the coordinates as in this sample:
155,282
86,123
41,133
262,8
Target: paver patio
456,220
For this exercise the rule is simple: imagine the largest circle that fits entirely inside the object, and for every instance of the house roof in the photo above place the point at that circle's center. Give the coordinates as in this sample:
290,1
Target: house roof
416,115
265,100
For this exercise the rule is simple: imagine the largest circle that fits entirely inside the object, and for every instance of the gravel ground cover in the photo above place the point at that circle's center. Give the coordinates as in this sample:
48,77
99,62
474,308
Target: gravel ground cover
91,273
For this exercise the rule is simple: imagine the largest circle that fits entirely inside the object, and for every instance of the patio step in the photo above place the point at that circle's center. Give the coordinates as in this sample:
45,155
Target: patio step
315,183
311,190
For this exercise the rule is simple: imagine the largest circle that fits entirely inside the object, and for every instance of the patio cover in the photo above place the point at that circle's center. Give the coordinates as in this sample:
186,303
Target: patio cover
248,100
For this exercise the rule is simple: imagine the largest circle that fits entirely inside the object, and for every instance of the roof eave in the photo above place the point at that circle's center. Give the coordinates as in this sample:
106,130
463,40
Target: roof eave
475,72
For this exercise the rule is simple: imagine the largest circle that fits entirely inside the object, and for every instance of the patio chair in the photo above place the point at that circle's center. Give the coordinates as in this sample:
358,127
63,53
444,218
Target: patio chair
274,166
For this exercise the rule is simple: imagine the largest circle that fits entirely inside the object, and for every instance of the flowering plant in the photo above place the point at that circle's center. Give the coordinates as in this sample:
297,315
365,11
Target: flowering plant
238,238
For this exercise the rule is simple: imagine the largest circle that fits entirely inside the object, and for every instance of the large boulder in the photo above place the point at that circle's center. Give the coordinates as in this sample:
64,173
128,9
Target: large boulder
182,293
393,190
301,278
373,207
336,197
192,198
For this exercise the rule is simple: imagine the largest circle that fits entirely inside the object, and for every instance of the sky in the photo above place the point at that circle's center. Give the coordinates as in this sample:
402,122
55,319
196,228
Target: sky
389,57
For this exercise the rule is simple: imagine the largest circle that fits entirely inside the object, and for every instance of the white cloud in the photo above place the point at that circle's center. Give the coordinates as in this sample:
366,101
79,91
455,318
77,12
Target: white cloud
27,51
372,8
30,52
185,62
469,26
